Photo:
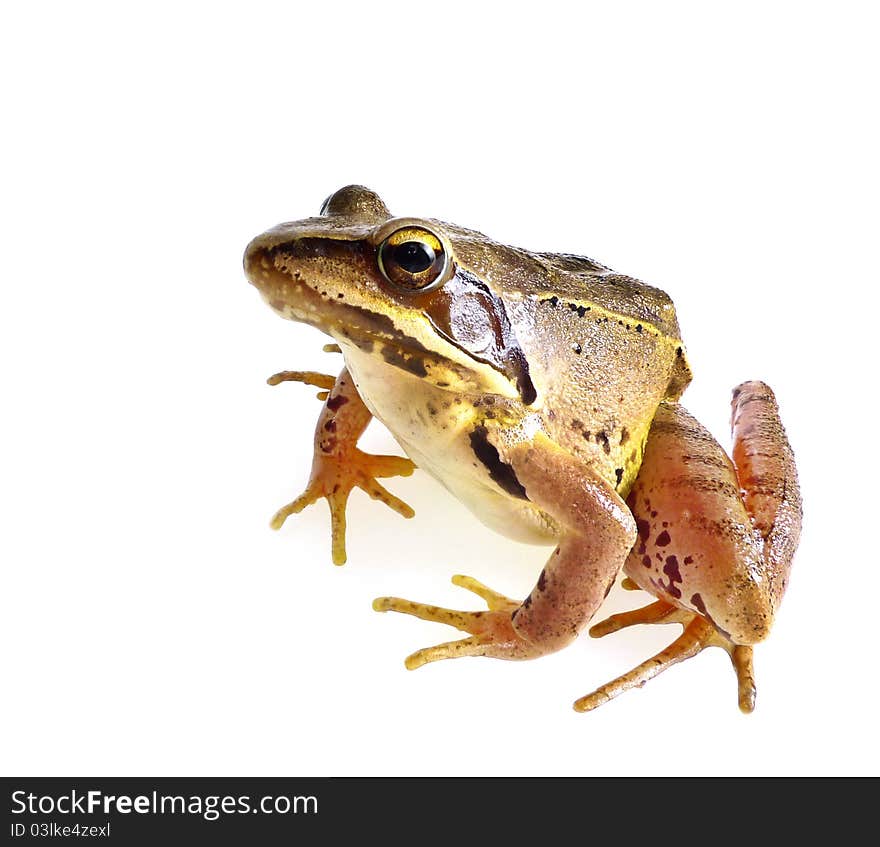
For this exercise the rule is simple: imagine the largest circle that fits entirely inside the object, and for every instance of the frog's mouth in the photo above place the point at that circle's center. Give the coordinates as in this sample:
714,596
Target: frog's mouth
295,278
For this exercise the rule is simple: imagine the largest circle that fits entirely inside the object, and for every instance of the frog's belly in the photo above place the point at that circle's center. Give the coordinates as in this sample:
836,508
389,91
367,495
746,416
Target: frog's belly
512,517
433,427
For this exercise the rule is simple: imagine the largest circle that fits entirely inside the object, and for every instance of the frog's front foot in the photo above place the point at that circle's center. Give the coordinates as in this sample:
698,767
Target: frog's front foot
491,633
697,636
338,465
334,477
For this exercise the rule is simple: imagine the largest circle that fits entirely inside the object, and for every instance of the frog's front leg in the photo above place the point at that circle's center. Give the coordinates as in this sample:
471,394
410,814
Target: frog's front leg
338,465
596,533
716,538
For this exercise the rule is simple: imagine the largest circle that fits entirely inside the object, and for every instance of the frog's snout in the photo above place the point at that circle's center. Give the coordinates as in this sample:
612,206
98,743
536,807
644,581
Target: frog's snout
257,263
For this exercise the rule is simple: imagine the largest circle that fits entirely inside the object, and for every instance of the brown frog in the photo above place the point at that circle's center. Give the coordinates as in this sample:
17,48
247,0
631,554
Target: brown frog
541,390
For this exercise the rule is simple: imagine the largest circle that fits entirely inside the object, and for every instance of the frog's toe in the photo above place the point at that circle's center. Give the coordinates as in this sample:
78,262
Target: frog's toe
383,495
491,632
380,467
294,507
364,469
448,650
437,614
659,612
697,636
337,501
494,600
319,380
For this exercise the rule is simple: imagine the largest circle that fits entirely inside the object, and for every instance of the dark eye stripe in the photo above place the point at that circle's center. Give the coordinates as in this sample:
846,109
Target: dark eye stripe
468,314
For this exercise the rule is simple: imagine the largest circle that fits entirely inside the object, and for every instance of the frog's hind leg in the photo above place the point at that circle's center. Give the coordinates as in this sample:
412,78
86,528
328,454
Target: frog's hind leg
715,538
697,636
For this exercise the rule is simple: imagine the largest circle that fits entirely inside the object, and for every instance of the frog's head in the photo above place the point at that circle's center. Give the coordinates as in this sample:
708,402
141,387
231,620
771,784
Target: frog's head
393,288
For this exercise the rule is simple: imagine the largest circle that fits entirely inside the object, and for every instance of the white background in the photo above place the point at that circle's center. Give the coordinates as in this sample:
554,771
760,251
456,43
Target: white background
153,624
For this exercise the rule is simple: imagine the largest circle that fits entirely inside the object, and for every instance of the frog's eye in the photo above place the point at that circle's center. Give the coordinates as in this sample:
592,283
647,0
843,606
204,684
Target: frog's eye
413,259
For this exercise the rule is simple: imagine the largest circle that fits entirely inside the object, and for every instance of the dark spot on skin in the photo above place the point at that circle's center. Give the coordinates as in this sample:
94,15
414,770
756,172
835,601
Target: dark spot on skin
340,296
576,424
499,472
678,352
643,527
624,436
663,539
688,559
618,472
638,327
602,438
334,403
587,435
542,581
330,425
654,514
413,364
646,561
671,570
553,301
527,602
524,384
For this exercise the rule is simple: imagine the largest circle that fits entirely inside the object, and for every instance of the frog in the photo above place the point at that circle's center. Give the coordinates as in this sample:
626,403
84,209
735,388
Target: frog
542,391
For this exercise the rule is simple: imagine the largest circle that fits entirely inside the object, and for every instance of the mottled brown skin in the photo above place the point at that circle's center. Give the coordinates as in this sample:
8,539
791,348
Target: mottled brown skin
715,538
701,545
697,548
768,477
527,384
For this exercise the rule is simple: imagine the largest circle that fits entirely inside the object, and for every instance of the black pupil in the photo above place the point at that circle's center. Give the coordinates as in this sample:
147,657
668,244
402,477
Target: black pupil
413,256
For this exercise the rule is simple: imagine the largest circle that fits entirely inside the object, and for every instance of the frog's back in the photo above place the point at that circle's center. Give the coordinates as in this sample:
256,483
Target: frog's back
603,349
581,284
615,354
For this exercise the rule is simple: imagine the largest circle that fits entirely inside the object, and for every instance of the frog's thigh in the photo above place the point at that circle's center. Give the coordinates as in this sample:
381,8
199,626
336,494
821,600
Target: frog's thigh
697,547
597,533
